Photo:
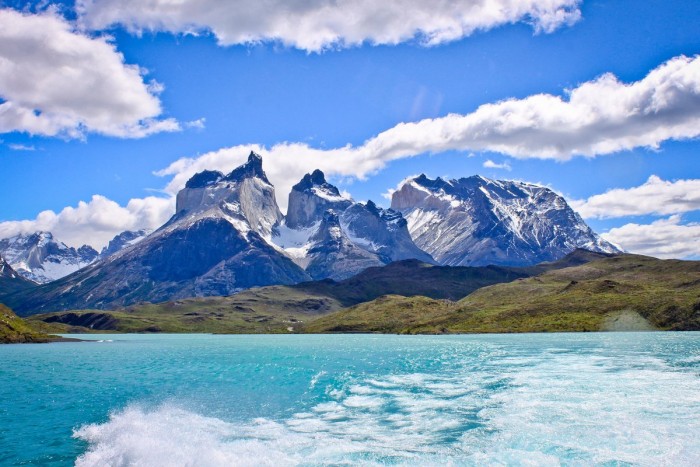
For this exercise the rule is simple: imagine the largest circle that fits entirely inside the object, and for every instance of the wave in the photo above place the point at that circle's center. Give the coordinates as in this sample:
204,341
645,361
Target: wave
561,408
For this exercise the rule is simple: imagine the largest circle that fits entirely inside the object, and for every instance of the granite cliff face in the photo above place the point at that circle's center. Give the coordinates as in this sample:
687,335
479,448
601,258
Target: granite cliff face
311,198
476,221
332,236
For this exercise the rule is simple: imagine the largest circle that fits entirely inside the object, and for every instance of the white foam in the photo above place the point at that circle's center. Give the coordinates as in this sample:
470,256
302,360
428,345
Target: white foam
550,409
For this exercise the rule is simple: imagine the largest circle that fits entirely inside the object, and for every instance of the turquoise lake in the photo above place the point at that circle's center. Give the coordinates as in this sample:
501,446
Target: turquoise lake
202,400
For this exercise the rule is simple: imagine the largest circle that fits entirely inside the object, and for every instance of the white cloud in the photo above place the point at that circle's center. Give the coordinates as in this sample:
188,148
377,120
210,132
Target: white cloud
198,124
489,164
600,117
655,196
665,238
21,147
55,81
315,25
96,222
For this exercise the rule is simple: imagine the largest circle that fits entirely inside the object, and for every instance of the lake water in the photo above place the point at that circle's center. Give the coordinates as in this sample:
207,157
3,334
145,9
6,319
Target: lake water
200,400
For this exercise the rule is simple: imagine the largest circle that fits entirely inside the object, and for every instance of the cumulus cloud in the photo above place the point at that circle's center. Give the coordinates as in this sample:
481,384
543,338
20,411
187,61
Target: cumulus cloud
55,81
315,25
599,117
96,222
664,238
489,164
655,196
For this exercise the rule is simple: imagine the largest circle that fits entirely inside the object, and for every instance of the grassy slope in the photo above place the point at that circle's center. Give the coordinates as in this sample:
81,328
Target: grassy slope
277,308
589,297
14,329
265,310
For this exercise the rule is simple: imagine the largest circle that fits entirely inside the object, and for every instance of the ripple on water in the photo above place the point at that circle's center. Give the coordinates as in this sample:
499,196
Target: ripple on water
519,407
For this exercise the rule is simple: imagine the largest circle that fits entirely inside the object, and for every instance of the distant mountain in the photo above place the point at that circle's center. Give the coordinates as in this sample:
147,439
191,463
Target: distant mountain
213,245
477,221
332,236
228,235
123,240
11,281
41,258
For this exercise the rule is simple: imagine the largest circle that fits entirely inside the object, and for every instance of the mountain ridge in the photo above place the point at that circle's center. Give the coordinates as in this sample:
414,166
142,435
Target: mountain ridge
483,221
228,235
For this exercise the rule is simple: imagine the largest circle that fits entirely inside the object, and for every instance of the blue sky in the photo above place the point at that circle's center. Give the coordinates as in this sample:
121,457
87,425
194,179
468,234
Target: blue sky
216,93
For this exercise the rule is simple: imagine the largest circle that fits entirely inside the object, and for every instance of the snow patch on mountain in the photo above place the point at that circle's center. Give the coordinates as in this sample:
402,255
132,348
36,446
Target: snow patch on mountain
476,221
41,258
324,225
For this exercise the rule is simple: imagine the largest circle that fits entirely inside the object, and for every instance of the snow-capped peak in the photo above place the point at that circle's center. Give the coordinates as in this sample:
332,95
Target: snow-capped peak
41,258
478,221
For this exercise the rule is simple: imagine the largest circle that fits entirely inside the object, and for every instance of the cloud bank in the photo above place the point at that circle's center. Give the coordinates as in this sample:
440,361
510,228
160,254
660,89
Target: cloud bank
599,117
655,196
315,25
489,164
96,222
664,238
55,81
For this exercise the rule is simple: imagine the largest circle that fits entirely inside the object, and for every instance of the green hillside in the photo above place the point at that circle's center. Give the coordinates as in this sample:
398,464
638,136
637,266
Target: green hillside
15,330
625,292
281,308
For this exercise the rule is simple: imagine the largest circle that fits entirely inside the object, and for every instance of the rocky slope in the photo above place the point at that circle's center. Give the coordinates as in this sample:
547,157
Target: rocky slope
11,281
123,240
41,258
213,245
477,221
332,236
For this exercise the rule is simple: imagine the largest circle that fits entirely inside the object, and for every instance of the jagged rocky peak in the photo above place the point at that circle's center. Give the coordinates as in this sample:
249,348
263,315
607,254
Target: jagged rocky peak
311,198
382,231
483,221
333,255
417,191
245,196
123,240
253,168
6,270
204,179
41,258
86,253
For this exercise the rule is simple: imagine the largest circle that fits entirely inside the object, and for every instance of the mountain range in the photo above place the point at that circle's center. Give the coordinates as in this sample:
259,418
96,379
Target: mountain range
228,235
41,258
